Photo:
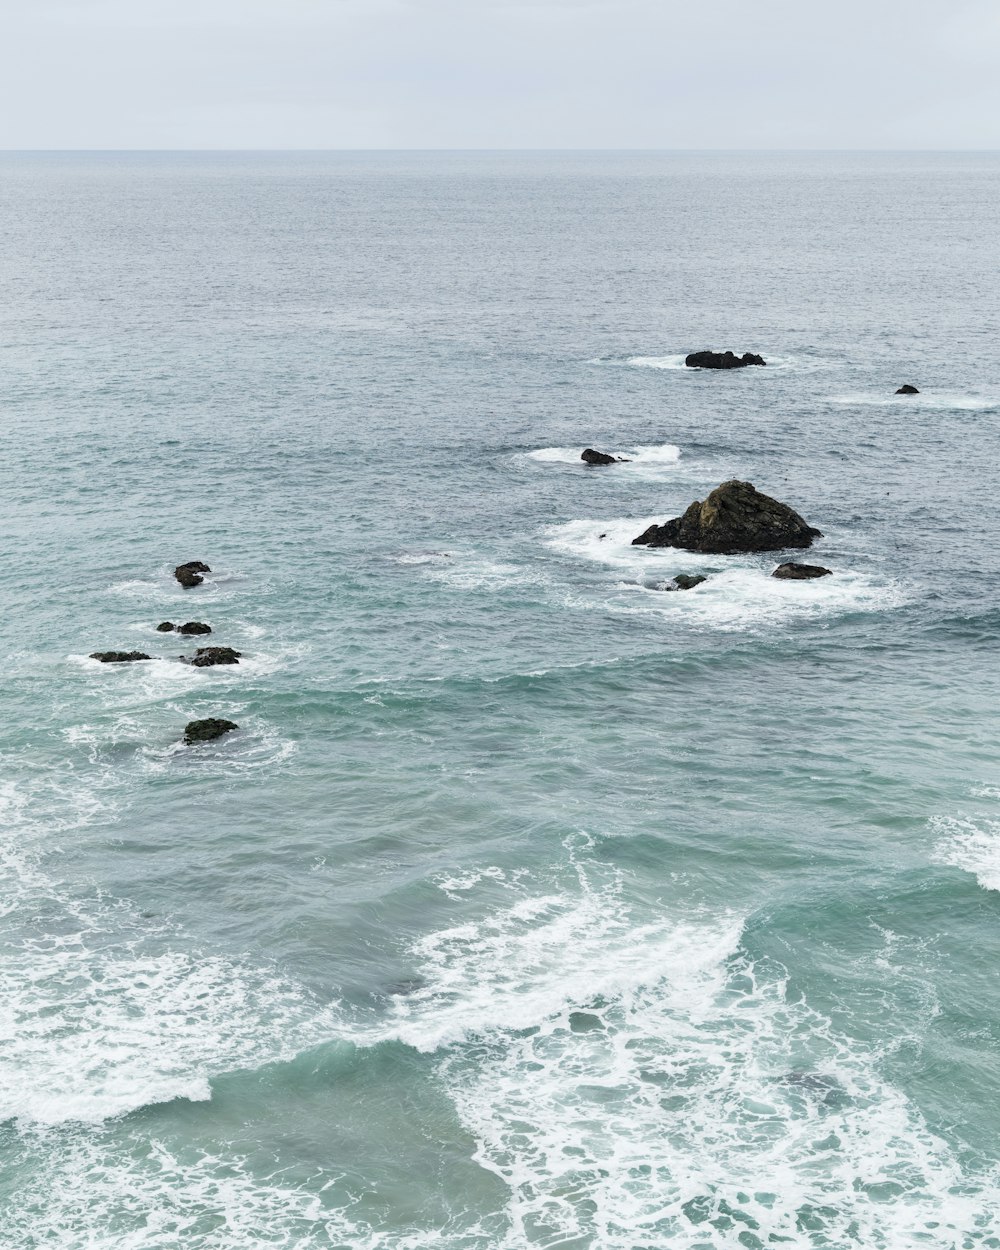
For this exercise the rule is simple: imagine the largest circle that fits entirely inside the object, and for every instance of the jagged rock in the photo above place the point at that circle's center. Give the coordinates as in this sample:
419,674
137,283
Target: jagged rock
205,657
907,389
722,360
799,572
601,457
119,657
687,581
165,627
190,574
734,518
194,627
207,730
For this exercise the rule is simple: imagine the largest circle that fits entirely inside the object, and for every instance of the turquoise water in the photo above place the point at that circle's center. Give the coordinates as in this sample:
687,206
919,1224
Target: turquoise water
530,906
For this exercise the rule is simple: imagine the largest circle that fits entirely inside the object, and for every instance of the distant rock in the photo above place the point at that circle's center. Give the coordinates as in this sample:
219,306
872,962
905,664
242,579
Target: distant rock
119,657
190,574
722,360
687,581
601,457
799,572
207,730
734,518
206,657
907,390
194,627
165,627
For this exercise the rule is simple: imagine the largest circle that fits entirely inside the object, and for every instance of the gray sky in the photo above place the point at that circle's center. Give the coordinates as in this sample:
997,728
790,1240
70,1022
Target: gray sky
499,73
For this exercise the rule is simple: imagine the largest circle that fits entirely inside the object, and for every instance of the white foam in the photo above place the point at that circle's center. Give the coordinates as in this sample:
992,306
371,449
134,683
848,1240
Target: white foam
798,364
972,845
934,400
646,460
739,592
641,1082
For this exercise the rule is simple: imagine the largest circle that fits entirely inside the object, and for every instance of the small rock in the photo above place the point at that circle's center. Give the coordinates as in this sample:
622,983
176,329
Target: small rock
722,360
205,657
907,389
194,627
687,581
165,627
799,572
207,730
601,457
119,657
190,574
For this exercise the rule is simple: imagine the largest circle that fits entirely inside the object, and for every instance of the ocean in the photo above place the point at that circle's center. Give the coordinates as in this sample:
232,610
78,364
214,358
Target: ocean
531,904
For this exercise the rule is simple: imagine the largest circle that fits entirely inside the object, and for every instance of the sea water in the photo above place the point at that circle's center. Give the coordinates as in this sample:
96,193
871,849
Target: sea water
531,904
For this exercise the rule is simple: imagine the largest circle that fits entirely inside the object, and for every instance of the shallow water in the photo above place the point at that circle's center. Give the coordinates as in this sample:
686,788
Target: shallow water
530,906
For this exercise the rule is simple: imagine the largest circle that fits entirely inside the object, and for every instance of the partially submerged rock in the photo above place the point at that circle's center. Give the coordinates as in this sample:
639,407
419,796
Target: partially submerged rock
687,581
722,360
119,657
799,572
190,574
194,627
205,657
907,389
207,730
165,627
601,457
734,518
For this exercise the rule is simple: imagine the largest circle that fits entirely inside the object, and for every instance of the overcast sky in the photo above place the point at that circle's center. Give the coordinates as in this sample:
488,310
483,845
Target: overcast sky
499,73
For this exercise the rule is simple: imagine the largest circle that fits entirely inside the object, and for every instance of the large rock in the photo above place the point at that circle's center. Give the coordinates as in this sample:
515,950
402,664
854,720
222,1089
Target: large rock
722,360
194,627
687,581
119,657
165,627
734,518
205,657
799,572
190,574
601,457
207,730
907,389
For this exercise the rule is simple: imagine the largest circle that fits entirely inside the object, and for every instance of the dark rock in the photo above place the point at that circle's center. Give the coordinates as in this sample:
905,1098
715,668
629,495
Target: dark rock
687,581
207,730
601,457
907,389
190,574
799,572
722,360
194,627
205,657
119,657
734,518
165,627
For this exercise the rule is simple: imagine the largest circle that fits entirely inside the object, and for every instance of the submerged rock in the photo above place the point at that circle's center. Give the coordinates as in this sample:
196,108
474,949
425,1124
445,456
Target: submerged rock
687,581
734,518
207,730
907,389
165,627
190,574
119,657
205,657
722,360
601,457
799,572
194,627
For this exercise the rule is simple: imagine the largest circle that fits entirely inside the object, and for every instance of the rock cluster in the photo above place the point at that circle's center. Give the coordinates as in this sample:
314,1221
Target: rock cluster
734,518
722,360
190,627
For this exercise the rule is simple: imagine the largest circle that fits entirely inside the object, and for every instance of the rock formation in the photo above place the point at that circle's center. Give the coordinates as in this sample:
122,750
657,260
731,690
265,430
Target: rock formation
799,572
205,657
722,360
601,457
687,581
119,657
207,730
734,518
907,389
190,574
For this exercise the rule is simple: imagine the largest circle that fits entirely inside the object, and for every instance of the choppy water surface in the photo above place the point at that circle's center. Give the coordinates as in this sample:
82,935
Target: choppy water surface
530,906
